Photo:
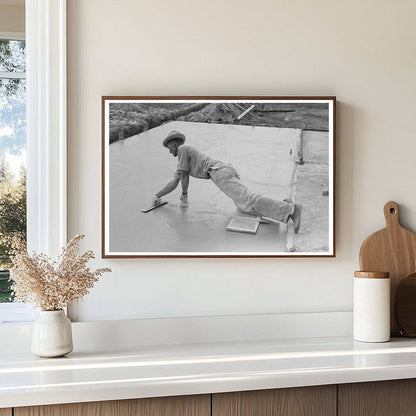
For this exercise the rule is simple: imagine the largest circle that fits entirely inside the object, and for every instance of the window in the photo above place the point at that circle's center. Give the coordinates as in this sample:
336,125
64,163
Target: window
12,155
45,126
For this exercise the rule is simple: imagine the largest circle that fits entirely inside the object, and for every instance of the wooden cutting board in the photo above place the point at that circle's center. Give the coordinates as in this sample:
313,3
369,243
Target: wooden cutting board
393,250
405,305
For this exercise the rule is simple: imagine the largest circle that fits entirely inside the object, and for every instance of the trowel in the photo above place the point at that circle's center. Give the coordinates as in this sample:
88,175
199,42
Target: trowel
154,206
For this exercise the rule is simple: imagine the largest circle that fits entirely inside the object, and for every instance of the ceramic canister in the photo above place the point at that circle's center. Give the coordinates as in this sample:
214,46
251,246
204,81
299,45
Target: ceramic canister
371,307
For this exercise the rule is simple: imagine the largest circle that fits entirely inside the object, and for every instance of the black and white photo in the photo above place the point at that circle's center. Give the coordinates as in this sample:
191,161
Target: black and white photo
210,177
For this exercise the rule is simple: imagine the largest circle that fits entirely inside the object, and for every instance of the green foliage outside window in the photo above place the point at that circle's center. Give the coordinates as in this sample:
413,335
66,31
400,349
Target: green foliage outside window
12,223
12,145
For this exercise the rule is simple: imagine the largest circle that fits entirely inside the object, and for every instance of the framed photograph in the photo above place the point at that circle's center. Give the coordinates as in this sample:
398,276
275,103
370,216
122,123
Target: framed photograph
218,177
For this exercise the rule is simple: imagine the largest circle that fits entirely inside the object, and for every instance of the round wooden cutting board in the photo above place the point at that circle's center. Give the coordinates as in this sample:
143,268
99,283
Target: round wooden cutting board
393,250
405,306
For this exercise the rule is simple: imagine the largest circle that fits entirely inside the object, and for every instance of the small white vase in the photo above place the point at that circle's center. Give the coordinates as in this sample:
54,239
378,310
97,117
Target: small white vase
52,334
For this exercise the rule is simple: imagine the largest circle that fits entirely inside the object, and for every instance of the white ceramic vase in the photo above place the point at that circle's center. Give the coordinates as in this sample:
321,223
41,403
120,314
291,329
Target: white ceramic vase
52,334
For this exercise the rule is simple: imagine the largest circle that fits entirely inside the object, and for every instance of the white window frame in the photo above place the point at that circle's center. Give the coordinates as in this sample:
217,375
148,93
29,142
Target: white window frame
46,123
12,35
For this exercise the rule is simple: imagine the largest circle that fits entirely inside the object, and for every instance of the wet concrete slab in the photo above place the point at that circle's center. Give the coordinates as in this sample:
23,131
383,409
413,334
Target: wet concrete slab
140,166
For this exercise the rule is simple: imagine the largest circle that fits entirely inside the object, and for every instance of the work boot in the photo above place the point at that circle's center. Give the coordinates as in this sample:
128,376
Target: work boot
296,217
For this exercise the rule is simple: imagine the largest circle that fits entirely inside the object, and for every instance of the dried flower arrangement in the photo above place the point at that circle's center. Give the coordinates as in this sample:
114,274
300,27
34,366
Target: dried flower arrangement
52,285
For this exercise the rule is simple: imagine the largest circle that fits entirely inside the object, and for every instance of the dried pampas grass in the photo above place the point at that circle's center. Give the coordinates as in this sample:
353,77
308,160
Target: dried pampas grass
52,285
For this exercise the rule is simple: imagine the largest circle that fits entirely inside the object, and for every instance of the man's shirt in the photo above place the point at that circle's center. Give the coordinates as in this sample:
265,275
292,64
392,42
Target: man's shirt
195,162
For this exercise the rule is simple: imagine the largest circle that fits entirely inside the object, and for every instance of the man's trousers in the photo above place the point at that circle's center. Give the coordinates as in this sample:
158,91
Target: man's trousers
227,179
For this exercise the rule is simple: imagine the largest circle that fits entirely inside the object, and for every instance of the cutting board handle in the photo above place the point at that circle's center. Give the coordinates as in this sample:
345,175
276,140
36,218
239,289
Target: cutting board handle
391,213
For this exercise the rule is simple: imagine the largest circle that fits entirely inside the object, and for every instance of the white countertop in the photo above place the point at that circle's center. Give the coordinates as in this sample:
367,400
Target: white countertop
200,368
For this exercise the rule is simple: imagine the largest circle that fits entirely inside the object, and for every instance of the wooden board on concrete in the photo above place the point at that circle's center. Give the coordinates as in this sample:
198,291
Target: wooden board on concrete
159,406
381,398
300,401
244,225
6,412
393,250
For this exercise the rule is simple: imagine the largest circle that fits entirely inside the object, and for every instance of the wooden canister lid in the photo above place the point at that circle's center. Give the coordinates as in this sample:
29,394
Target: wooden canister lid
372,275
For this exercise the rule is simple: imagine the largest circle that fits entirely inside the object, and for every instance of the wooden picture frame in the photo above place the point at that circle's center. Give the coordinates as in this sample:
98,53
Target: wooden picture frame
266,153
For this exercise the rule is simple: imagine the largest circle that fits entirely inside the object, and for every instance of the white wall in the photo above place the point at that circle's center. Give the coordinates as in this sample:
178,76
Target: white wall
361,51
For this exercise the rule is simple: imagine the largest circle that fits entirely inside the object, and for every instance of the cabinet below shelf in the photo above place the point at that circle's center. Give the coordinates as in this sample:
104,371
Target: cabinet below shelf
160,406
382,398
319,400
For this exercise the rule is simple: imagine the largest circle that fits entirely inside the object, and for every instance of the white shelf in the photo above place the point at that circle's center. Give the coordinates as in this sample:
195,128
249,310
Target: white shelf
148,371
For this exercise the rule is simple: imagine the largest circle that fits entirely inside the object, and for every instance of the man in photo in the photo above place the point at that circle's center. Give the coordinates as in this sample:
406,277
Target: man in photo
192,162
